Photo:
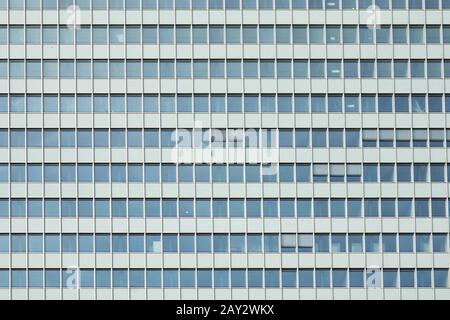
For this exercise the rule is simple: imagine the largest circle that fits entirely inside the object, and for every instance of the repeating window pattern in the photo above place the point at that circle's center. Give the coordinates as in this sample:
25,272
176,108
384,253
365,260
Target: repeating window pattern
226,4
224,243
224,208
221,103
93,117
225,278
230,68
225,34
219,173
219,138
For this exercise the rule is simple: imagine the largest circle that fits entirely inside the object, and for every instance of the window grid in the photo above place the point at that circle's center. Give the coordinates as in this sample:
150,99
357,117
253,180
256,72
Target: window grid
361,140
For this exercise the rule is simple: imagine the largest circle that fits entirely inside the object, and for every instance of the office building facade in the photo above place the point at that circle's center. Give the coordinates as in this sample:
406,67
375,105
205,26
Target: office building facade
224,149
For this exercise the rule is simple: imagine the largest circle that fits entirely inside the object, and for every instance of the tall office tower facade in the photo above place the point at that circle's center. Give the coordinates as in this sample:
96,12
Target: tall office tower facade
224,149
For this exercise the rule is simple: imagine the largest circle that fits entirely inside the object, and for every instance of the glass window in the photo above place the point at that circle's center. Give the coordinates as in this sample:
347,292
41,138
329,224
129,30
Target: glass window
18,243
272,278
403,172
423,242
339,278
370,172
417,68
84,103
266,34
319,138
438,208
187,243
233,34
421,207
434,69
338,243
352,138
322,278
51,173
50,103
17,173
199,34
187,278
384,68
299,34
133,69
220,243
216,34
433,33
320,207
18,278
389,242
349,34
333,34
351,68
383,34
356,278
445,32
372,243
368,103
321,243
35,278
440,242
435,102
366,34
116,69
283,34
83,35
390,278
255,278
16,34
33,69
437,172
302,138
317,69
16,69
153,278
103,278
203,243
85,243
432,4
337,207
424,278
415,34
254,243
441,278
399,34
367,68
334,104
304,208
333,68
67,103
306,278
99,34
3,101
237,243
316,34
52,243
100,69
406,243
3,34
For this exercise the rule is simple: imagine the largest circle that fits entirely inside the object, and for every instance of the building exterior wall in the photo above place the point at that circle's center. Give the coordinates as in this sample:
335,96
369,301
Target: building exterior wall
353,203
